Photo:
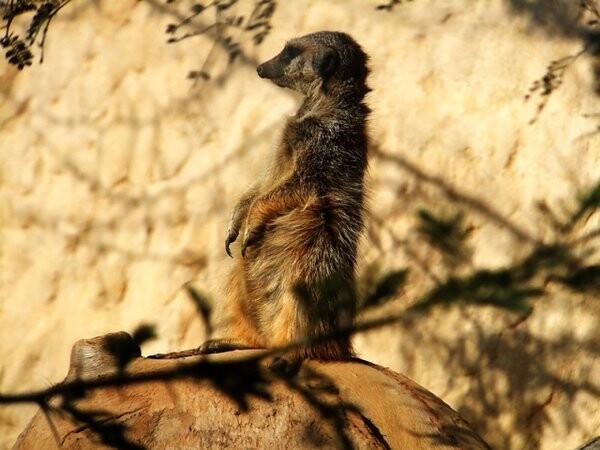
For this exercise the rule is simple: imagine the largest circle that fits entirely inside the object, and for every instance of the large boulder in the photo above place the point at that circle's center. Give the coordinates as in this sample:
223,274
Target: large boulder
232,400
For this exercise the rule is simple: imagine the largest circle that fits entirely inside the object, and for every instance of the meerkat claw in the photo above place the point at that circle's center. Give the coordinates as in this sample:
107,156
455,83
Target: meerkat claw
231,237
227,250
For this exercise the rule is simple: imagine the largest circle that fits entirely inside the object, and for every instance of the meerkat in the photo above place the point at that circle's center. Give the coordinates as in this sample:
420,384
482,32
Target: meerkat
294,277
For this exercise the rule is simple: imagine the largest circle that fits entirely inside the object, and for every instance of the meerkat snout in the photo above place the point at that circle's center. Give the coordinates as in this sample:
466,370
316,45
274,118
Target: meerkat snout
275,67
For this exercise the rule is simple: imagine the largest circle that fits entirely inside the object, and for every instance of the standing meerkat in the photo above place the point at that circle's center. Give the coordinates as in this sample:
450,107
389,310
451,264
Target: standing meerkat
294,279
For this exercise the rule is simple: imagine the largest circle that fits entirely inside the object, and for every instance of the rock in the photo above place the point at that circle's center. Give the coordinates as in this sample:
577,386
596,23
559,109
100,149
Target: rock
243,405
102,356
593,444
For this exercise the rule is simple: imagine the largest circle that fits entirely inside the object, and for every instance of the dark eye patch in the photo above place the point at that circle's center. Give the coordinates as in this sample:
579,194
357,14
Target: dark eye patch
290,52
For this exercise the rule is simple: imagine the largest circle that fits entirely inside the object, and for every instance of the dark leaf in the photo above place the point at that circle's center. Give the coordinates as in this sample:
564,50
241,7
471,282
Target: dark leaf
17,8
501,288
259,37
19,54
256,25
194,74
144,333
122,348
385,288
588,203
39,19
583,279
203,305
233,54
197,8
266,12
225,5
447,234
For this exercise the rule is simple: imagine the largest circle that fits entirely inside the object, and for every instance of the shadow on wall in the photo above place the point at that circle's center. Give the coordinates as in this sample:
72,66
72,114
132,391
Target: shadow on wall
508,369
510,376
565,18
124,200
561,17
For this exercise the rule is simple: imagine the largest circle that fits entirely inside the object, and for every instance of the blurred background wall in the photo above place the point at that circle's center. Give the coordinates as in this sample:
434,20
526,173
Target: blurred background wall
118,173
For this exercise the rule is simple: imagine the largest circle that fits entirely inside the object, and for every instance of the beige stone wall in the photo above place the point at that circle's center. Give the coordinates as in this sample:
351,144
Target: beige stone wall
118,175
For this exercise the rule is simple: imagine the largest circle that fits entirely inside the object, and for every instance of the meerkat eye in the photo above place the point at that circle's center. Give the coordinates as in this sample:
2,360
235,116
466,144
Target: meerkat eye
290,52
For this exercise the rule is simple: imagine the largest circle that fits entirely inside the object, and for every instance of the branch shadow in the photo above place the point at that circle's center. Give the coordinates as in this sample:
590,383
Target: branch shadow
568,19
508,370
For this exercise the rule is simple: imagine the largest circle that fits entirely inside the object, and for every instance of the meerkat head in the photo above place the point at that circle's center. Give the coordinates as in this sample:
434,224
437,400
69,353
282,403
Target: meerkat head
318,61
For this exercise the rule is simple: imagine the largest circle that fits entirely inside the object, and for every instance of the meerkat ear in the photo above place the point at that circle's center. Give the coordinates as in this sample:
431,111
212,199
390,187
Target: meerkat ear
326,61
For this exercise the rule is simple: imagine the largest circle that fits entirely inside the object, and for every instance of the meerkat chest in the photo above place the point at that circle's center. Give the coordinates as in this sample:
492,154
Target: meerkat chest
303,131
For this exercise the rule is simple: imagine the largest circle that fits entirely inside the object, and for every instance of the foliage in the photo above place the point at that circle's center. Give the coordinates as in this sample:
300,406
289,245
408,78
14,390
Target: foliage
391,4
569,260
39,14
18,49
551,81
228,30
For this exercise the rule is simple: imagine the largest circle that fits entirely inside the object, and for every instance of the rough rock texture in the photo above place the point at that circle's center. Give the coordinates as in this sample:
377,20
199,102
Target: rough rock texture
326,405
118,175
